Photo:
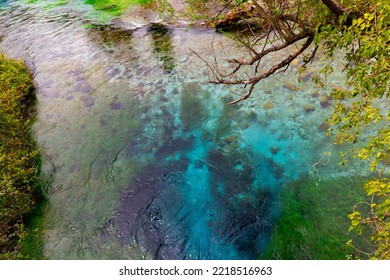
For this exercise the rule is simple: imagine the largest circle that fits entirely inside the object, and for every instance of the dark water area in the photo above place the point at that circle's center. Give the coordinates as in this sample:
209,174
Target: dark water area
145,158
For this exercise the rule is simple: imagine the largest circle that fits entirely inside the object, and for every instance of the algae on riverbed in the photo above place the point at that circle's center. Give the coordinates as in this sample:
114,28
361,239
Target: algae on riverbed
115,7
314,220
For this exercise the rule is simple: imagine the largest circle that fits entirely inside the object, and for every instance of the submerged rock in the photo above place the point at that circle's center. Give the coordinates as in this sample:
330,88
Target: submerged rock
116,106
324,101
305,77
295,62
314,94
324,126
136,17
290,87
268,106
309,108
88,101
82,86
274,150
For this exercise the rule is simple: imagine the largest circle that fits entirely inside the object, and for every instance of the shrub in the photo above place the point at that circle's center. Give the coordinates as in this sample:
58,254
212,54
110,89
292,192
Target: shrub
18,156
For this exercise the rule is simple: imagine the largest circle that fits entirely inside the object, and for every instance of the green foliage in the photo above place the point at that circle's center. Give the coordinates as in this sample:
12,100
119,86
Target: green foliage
314,220
361,115
18,179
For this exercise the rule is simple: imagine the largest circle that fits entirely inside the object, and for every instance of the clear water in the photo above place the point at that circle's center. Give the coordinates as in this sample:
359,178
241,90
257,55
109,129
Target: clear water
145,158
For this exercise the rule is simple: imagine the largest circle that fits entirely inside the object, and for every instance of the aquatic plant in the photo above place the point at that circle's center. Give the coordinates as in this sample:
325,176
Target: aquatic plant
115,7
313,221
192,111
162,46
56,4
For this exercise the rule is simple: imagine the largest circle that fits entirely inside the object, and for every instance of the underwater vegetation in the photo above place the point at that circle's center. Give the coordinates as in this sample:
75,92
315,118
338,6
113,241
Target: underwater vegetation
162,46
49,3
193,112
314,221
115,7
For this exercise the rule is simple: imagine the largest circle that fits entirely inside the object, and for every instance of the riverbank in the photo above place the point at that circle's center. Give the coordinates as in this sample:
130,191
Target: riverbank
19,159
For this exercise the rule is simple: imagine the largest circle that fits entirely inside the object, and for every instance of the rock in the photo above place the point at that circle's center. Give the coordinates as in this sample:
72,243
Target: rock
314,94
268,106
324,126
309,108
252,115
88,101
268,91
183,59
290,87
163,99
305,76
116,106
325,104
175,91
324,101
274,150
295,62
135,18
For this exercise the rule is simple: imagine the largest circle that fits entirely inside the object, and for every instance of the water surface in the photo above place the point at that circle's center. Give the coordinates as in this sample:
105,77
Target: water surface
145,158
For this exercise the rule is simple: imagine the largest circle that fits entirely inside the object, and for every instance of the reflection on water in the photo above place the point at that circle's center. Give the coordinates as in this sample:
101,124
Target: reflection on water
145,158
162,46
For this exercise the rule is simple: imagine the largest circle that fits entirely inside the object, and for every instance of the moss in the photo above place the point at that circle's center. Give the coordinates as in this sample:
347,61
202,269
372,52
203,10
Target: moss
56,4
32,245
19,183
115,7
314,223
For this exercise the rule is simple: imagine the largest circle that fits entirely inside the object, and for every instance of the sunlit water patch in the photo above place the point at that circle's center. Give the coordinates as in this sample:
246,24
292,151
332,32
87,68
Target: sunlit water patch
145,158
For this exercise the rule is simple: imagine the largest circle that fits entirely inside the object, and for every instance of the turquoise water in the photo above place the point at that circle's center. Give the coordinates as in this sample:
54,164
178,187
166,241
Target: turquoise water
146,159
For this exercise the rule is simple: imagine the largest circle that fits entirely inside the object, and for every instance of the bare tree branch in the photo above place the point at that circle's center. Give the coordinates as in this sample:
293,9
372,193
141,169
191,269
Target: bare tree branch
335,7
282,24
253,81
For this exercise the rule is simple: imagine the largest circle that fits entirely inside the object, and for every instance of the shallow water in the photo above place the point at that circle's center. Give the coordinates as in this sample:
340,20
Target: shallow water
145,158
